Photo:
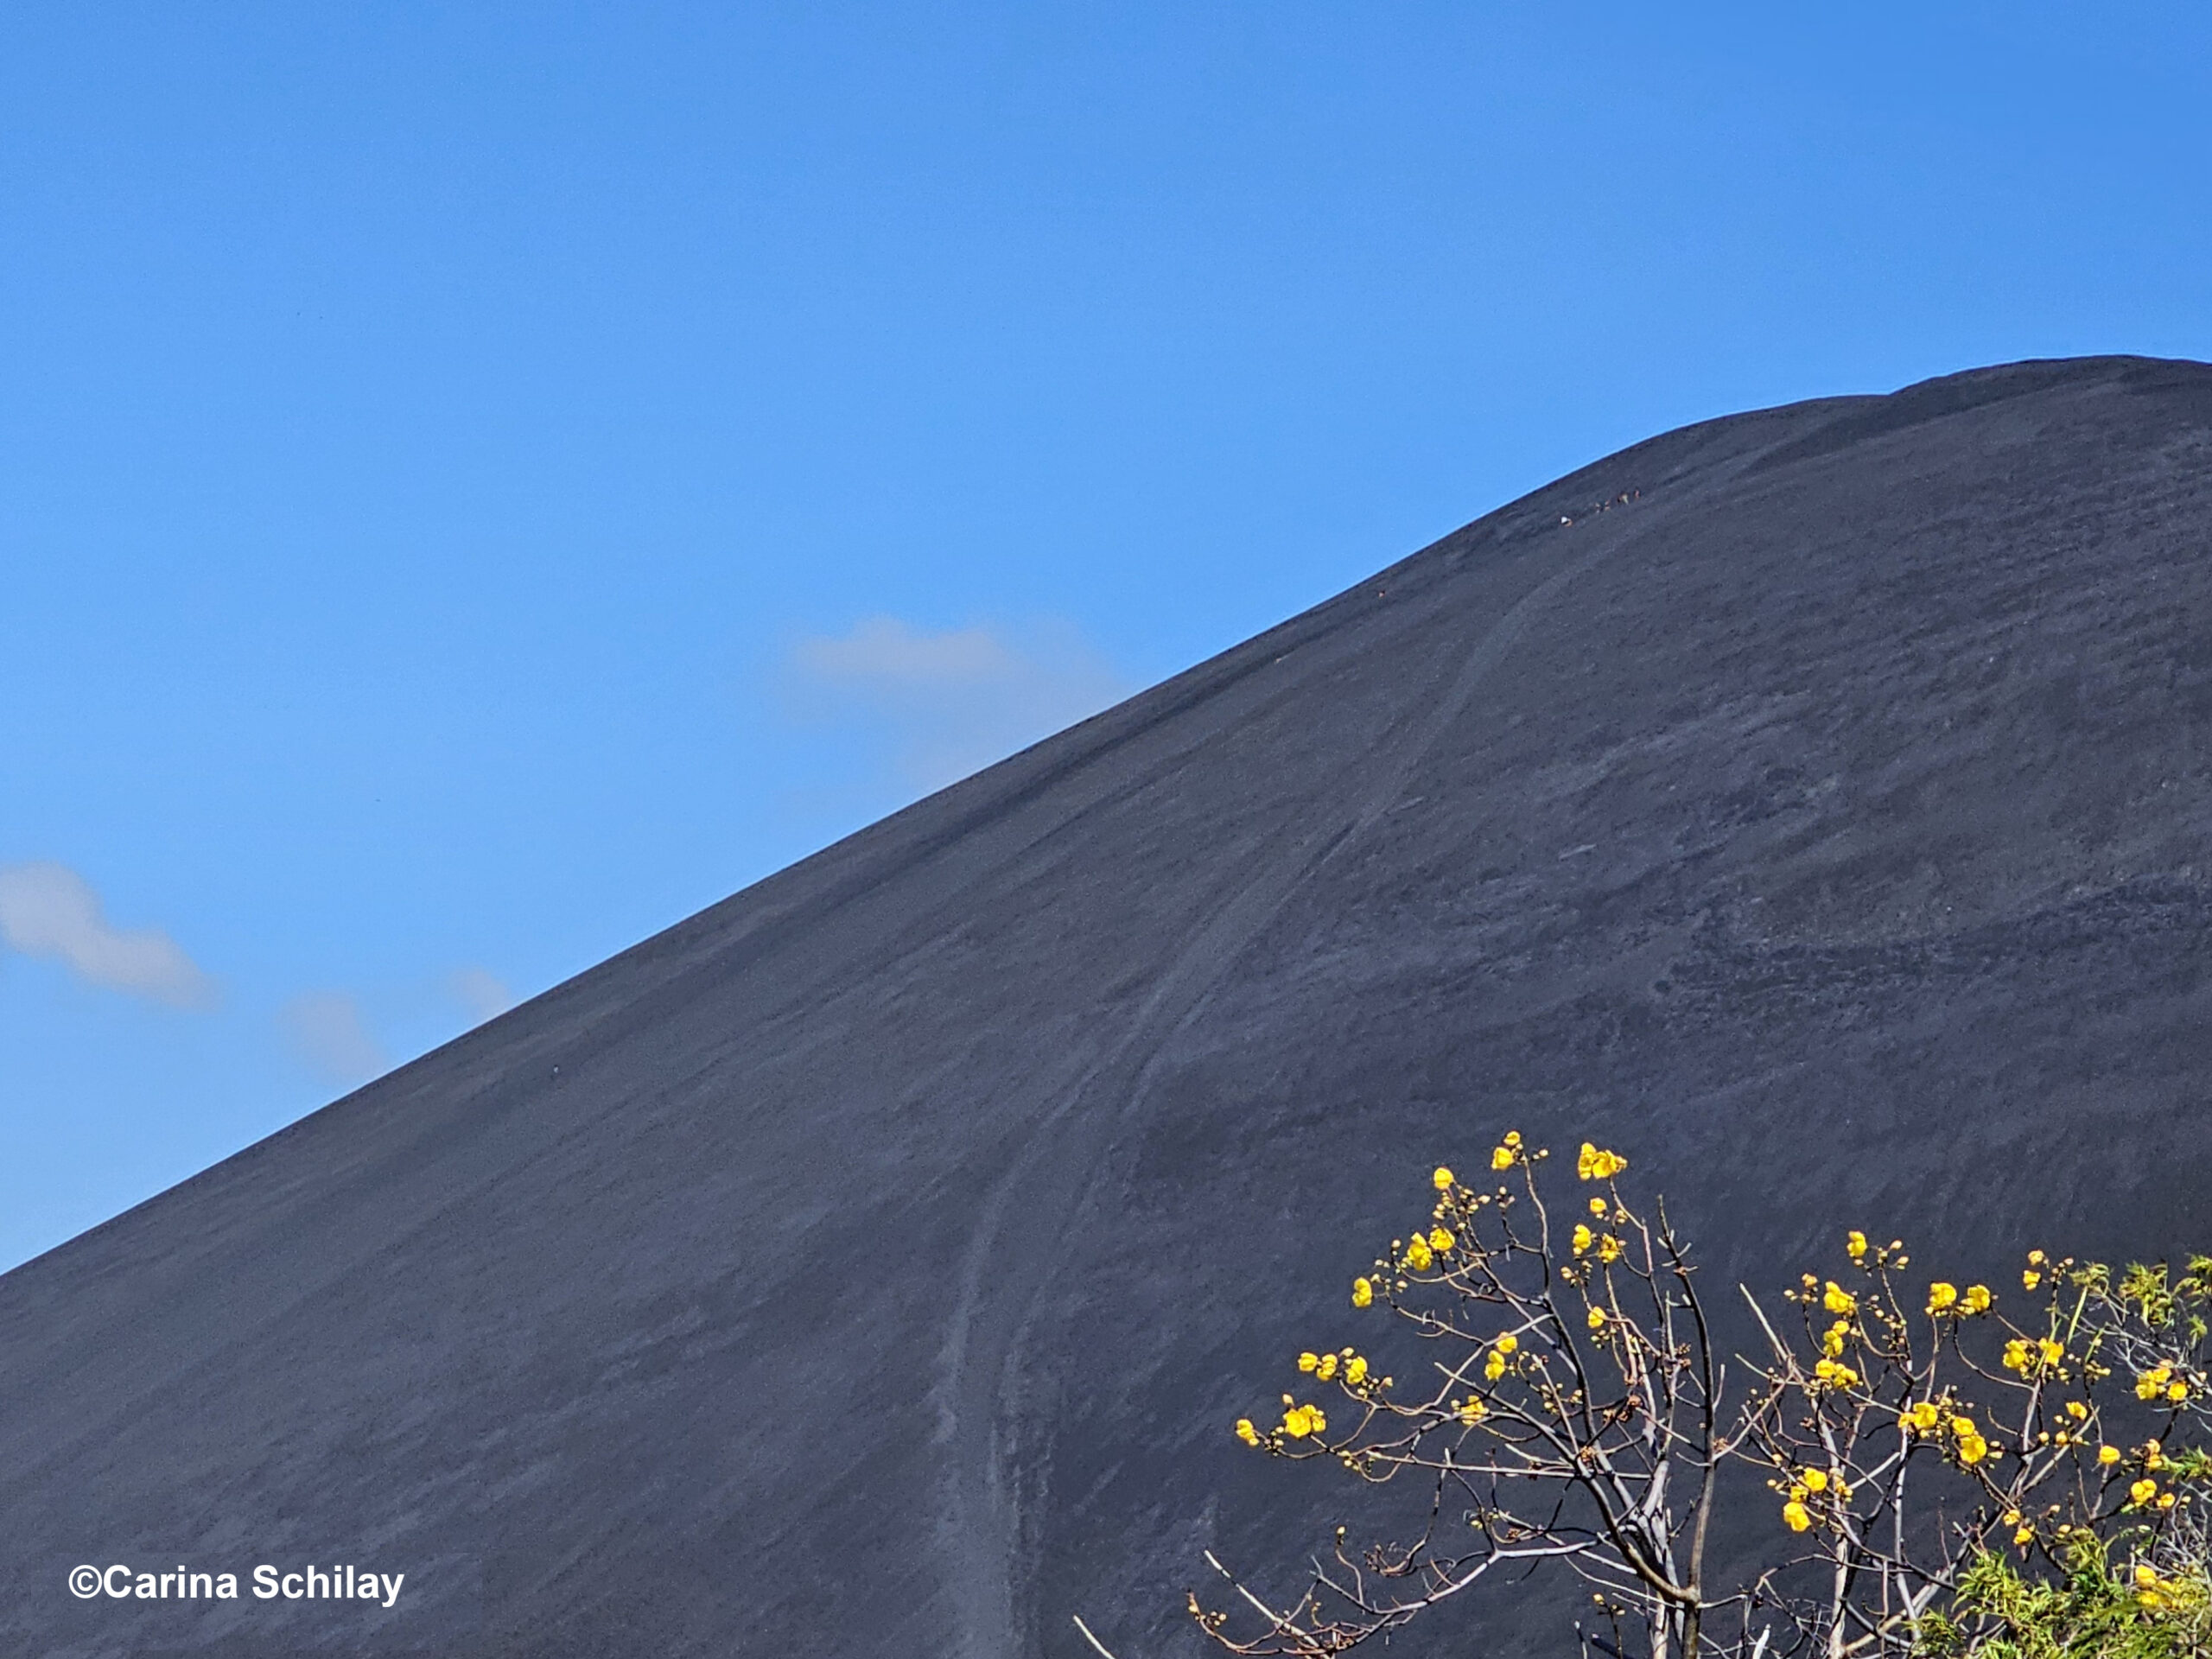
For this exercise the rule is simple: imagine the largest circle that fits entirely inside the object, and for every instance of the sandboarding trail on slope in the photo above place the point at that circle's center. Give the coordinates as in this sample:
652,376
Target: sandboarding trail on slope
1011,1257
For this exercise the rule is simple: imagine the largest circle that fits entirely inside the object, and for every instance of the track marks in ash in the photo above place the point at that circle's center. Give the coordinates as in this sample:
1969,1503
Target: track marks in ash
987,1435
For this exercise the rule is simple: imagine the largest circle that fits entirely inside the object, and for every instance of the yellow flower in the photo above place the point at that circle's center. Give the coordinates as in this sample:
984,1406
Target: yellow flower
2035,1258
1832,1343
1854,1245
2152,1382
1443,1178
2025,1536
1355,1370
1583,1239
1814,1480
1941,1296
1417,1255
1363,1292
1494,1367
1473,1410
1795,1515
2030,1279
1307,1361
1509,1343
2178,1392
1838,1300
1441,1239
1978,1298
2107,1455
1609,1248
1597,1319
1832,1374
2142,1491
1922,1417
2052,1352
1245,1432
1594,1164
2146,1575
1972,1449
1327,1368
1502,1158
1598,1208
2078,1411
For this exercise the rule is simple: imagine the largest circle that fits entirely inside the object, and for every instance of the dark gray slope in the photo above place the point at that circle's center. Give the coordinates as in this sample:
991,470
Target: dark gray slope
872,1264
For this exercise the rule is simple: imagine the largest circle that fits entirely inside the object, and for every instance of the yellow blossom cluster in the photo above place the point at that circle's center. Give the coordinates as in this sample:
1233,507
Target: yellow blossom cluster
1594,1164
1835,1374
1810,1484
1297,1422
1948,1298
2157,1593
2031,1357
2031,1275
1584,1241
1362,1293
1328,1367
1860,1248
1501,1356
1509,1151
1971,1446
1927,1417
2160,1383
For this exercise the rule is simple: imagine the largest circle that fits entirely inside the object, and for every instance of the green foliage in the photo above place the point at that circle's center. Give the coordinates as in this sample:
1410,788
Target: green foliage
2088,1610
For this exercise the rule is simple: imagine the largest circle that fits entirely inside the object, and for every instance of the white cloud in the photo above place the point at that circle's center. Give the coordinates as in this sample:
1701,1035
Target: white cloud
941,705
484,994
49,909
330,1032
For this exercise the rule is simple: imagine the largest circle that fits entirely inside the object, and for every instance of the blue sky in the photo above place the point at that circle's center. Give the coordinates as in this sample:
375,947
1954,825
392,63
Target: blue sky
478,483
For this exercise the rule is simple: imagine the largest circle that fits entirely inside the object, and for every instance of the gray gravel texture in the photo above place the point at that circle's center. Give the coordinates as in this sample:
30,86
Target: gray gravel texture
873,1263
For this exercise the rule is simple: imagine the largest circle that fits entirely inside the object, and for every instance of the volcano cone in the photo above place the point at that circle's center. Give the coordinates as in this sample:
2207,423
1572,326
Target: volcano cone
1813,804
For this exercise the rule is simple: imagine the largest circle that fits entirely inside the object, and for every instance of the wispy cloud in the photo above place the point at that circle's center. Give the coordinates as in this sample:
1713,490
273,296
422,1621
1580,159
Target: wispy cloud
330,1032
944,704
49,909
484,994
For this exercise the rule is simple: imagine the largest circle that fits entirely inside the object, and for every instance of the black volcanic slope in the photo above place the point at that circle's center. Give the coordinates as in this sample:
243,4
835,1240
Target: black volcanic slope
873,1263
